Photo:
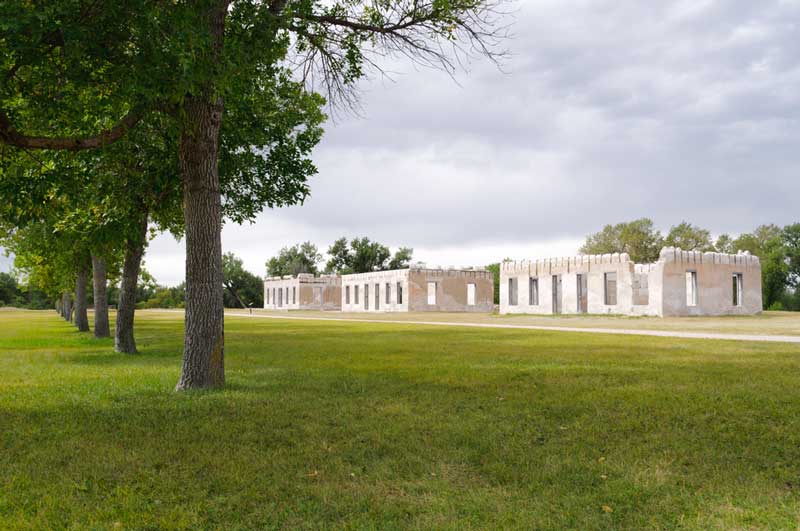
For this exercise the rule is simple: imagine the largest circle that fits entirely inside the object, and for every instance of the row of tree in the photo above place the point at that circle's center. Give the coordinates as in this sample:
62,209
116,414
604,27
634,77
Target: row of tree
359,255
21,295
777,247
121,117
243,289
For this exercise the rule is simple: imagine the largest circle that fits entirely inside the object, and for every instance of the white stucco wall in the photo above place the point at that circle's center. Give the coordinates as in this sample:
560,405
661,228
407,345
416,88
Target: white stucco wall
594,267
665,280
278,293
303,292
369,282
451,288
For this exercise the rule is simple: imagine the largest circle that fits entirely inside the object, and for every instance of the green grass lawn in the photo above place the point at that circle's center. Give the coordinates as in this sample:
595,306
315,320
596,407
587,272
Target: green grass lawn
382,426
765,323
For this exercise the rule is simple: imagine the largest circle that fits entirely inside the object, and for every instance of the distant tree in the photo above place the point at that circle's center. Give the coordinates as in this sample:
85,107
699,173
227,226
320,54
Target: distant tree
401,258
300,258
368,256
339,253
767,243
638,238
760,242
362,255
55,261
495,270
9,291
146,286
243,289
791,244
774,272
167,297
689,238
724,244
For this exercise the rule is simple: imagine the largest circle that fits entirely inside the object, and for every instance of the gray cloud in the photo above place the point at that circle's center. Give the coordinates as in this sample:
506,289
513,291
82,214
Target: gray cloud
608,110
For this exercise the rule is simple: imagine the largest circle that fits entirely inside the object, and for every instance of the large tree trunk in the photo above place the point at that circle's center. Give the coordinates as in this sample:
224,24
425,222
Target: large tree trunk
123,330
100,284
203,348
203,344
81,302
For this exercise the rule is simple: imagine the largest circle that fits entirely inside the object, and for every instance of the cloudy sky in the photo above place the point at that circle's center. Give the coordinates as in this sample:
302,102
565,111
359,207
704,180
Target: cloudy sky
608,110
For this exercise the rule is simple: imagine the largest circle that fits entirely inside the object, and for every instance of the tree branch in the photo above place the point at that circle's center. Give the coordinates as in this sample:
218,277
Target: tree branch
10,136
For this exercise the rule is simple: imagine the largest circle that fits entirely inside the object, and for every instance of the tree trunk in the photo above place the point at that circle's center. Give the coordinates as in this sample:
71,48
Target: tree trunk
67,306
123,330
236,296
59,309
203,348
81,302
203,344
100,284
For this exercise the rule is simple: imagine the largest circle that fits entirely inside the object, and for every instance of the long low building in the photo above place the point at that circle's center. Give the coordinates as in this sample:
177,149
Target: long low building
303,292
680,283
419,289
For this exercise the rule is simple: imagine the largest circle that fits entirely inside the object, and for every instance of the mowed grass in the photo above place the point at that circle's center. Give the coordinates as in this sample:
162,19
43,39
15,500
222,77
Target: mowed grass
383,426
764,323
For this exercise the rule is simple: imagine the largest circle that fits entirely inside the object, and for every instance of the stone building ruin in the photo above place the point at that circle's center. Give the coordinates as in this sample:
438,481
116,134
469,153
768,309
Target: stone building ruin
680,283
303,292
419,289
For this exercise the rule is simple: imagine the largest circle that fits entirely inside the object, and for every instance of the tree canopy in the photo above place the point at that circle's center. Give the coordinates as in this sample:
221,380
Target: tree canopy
235,81
689,238
638,238
301,258
361,255
243,289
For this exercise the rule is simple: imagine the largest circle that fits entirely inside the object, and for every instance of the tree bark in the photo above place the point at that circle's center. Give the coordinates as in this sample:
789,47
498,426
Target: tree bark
203,345
81,303
67,307
100,284
123,330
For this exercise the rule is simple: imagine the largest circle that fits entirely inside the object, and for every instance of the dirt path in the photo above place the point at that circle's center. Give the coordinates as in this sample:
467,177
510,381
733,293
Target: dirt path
619,331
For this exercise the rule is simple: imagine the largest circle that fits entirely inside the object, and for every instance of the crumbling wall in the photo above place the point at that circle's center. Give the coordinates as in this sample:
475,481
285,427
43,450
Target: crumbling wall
451,293
368,284
452,290
303,292
659,289
552,272
281,293
714,283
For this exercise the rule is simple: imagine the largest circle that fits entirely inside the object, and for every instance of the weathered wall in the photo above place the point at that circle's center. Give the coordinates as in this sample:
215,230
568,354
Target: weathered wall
304,292
451,290
714,282
594,267
368,283
642,289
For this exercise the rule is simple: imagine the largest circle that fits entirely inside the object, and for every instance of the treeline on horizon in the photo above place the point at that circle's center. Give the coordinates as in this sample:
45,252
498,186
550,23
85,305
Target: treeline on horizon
31,287
777,247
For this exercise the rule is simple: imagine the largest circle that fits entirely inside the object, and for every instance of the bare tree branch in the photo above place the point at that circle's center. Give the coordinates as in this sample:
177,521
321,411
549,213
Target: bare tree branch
335,47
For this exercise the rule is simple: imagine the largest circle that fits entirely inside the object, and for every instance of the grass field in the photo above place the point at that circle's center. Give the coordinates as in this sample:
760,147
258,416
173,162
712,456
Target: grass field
765,323
381,426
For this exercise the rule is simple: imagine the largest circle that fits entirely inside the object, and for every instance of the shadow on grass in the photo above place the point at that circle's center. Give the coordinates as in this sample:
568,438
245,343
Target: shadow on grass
332,446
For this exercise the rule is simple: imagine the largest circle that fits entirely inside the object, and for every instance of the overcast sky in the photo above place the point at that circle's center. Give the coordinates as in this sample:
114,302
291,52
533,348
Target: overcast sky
608,110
